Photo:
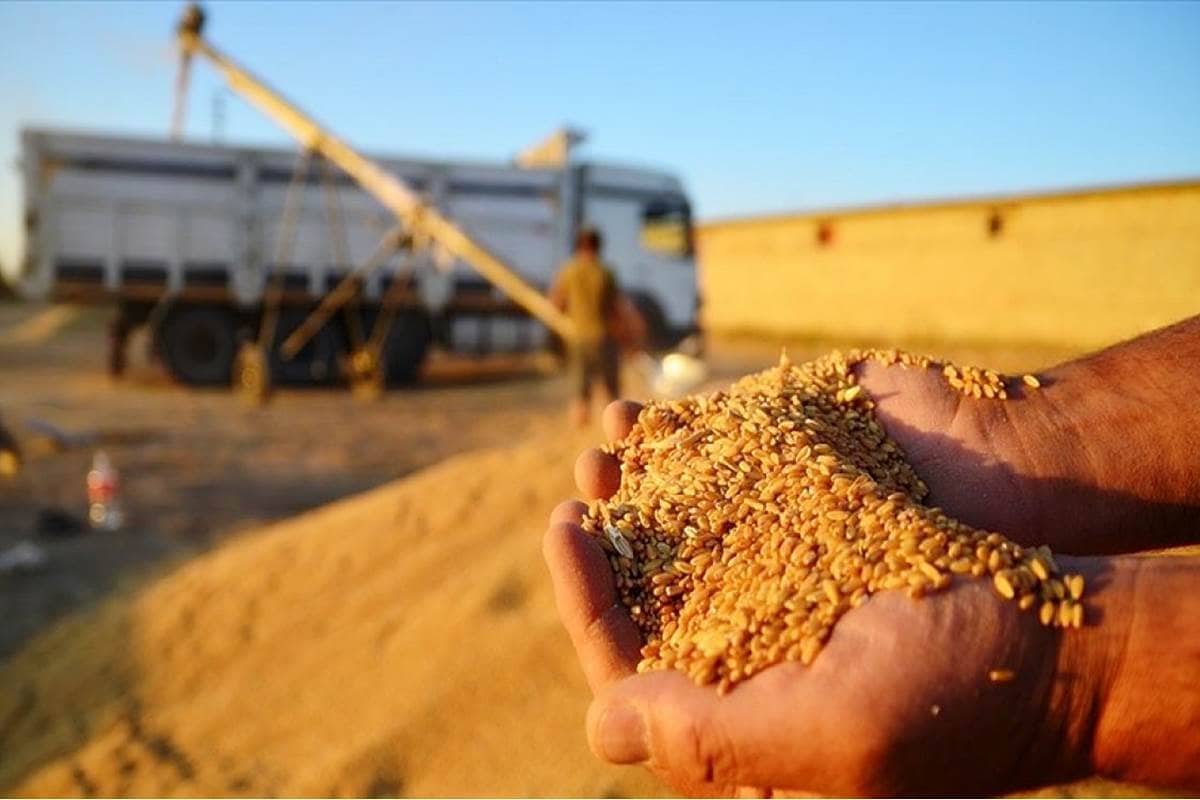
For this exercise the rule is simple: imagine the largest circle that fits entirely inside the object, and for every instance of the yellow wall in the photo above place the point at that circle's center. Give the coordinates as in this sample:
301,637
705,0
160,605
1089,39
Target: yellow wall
1082,269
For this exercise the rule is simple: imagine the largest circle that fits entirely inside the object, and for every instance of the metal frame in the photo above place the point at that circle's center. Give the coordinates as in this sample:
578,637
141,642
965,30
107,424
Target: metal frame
422,221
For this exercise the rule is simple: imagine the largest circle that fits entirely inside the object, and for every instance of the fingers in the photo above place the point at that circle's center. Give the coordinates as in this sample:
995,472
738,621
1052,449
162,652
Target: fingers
568,511
597,474
608,643
663,720
605,638
619,418
761,734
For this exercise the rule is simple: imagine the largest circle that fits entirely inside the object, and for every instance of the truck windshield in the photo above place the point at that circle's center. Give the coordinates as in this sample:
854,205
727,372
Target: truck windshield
667,227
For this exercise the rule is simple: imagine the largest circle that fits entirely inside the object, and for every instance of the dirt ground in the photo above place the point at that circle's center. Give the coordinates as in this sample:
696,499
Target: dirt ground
397,641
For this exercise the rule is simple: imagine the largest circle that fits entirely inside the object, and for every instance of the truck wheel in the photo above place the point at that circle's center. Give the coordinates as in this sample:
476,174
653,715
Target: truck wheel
317,361
657,334
199,345
405,348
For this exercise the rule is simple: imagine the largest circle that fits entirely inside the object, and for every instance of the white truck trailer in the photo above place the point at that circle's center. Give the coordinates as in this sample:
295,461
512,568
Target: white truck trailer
185,237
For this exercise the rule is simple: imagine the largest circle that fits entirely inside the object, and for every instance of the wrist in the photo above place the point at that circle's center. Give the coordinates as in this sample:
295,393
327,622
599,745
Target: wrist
1108,459
1147,727
1089,661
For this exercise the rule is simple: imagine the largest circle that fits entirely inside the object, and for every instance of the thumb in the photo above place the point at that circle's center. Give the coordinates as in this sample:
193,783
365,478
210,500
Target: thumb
789,727
694,737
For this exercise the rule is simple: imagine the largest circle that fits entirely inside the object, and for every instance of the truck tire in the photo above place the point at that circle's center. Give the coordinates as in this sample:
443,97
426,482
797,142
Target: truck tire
658,335
317,361
405,348
199,344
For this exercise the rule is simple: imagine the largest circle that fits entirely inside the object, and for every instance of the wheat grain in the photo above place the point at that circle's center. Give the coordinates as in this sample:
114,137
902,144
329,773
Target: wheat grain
749,520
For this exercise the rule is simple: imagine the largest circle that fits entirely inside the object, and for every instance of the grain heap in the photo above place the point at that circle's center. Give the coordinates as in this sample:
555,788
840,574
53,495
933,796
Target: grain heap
749,520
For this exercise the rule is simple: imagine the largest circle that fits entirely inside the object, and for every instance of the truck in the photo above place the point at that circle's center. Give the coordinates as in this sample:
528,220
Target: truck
196,243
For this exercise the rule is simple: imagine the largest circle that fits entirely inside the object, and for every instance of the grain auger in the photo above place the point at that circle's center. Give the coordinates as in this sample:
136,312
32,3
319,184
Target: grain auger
419,226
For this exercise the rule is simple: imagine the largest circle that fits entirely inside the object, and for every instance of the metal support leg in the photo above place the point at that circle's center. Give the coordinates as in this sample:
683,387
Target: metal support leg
118,340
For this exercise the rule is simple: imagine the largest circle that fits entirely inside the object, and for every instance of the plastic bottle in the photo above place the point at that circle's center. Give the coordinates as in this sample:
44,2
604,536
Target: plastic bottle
104,500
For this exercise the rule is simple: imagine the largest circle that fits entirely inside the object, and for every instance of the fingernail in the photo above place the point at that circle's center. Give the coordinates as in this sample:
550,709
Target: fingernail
622,736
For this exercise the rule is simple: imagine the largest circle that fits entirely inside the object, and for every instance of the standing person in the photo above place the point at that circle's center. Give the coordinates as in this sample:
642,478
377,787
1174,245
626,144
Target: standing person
586,291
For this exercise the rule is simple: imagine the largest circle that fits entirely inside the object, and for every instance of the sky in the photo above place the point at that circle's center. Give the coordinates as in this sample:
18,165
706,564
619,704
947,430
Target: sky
757,107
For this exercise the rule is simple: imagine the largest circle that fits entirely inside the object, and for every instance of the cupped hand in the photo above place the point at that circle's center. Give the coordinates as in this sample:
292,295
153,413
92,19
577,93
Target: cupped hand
900,701
977,456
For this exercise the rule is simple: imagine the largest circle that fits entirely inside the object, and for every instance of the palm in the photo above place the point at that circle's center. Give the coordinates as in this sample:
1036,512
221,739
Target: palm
973,454
899,702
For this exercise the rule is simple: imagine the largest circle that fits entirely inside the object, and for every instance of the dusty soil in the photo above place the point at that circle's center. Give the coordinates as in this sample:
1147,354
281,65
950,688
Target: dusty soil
398,641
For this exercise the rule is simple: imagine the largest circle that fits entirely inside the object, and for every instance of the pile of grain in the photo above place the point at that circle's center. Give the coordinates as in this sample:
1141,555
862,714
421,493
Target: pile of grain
404,641
749,521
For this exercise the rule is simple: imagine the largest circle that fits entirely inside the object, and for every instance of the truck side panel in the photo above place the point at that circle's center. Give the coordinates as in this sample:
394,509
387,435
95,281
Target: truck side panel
119,217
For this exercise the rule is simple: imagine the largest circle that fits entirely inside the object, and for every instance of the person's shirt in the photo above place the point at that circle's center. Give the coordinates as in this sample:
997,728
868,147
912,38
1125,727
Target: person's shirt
586,291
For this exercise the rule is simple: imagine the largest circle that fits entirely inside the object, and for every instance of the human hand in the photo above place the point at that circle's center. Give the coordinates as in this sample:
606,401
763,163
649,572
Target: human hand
1100,459
984,460
899,700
